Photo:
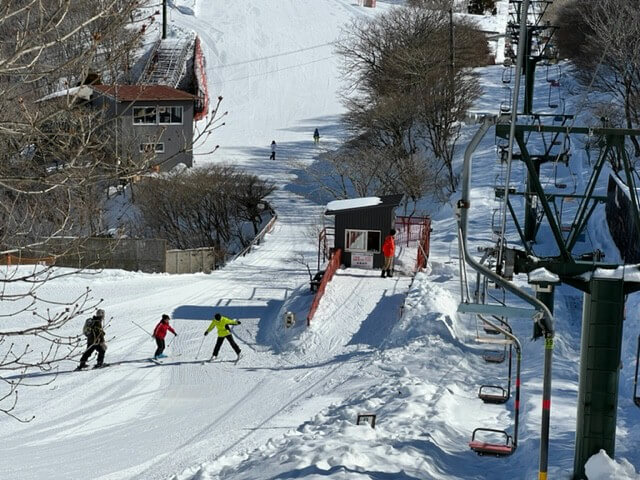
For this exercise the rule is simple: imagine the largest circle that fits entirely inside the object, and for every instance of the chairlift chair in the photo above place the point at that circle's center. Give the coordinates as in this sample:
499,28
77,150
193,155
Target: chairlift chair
494,394
560,118
553,80
507,74
505,105
489,330
495,356
492,448
555,177
554,99
510,443
495,226
497,394
562,157
636,397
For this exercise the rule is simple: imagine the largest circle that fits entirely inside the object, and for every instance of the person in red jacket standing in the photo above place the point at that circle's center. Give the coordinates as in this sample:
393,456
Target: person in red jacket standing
388,250
160,332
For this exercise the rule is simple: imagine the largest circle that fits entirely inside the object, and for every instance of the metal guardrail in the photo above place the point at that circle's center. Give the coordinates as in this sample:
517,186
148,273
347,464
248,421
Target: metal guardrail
258,238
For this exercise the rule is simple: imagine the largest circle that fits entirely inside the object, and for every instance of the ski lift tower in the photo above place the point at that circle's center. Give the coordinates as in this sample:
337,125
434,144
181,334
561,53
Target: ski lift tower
536,139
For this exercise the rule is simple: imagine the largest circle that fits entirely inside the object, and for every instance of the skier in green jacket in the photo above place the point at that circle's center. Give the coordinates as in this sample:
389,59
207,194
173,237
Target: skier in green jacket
222,325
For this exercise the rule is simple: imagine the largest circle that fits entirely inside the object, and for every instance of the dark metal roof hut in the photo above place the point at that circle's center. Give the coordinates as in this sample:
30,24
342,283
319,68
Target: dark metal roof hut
361,226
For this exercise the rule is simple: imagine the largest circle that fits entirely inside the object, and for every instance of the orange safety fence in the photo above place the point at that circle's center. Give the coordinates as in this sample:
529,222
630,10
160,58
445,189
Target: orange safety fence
333,265
17,260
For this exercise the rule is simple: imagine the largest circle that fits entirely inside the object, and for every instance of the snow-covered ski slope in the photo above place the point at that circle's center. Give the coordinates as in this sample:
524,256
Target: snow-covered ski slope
141,420
288,409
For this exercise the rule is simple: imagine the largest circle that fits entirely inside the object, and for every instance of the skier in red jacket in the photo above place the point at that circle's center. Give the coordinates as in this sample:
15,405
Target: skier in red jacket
388,250
160,332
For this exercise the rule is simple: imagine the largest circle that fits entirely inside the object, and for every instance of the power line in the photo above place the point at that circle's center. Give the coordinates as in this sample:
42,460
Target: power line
262,74
283,54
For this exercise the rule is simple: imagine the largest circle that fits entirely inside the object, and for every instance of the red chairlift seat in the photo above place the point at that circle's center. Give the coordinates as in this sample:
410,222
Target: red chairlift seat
494,449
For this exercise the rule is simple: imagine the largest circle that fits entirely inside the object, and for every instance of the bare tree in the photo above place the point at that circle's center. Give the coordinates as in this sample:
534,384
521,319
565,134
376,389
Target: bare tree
207,207
53,160
410,85
602,39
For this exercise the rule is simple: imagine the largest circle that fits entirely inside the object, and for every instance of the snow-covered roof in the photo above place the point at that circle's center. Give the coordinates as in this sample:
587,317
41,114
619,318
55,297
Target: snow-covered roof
131,93
82,91
350,203
363,202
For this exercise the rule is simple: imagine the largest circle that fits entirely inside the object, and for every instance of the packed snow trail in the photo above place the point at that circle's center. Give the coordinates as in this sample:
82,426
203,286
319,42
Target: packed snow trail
137,419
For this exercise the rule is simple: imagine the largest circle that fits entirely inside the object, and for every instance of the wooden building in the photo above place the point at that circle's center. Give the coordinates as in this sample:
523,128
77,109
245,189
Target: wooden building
152,120
361,225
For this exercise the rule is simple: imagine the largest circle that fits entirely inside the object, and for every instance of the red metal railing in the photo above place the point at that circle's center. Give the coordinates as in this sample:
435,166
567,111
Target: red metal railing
333,265
415,229
423,246
326,241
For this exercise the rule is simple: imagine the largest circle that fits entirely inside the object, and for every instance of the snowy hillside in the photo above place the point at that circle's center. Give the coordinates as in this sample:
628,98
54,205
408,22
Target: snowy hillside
288,409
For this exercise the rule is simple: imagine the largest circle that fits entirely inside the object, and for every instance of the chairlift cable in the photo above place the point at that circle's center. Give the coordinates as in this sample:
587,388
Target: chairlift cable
512,127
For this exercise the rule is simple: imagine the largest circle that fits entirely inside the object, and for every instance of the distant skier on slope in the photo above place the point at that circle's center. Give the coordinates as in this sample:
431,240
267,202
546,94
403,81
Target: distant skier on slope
159,334
316,136
95,340
273,150
388,250
222,325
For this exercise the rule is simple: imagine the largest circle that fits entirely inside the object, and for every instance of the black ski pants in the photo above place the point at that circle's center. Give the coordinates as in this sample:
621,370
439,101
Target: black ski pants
160,344
96,347
233,343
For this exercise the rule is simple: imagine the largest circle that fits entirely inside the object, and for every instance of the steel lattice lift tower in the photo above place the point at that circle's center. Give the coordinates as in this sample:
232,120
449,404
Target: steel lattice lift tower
544,140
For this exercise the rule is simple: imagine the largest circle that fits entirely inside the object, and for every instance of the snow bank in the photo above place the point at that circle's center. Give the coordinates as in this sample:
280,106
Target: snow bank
602,467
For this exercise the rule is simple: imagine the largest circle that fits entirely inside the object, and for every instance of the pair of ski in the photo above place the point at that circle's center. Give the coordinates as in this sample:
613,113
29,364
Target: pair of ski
212,360
95,367
159,361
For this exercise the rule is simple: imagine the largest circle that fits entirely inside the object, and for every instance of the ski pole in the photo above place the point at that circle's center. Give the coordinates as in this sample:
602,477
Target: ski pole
201,343
141,328
171,341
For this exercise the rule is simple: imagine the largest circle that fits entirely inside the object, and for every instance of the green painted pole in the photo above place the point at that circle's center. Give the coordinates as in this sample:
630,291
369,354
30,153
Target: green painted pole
602,318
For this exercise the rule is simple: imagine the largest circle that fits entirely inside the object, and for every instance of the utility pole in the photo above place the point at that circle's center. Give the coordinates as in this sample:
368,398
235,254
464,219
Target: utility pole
452,58
164,19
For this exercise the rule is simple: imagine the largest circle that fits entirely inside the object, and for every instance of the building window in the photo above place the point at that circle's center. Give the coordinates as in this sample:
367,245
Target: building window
144,115
362,241
170,115
152,147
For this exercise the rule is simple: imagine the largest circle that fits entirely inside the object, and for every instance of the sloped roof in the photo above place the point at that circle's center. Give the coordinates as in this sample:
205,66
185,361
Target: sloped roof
132,93
363,203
